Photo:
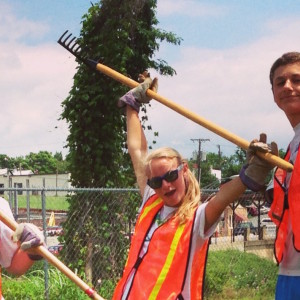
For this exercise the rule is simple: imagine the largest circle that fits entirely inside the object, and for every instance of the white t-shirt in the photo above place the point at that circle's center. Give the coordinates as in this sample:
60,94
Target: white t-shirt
7,247
290,264
198,238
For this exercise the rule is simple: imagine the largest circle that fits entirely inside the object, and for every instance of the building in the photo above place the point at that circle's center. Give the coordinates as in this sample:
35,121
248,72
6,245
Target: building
239,215
216,173
27,179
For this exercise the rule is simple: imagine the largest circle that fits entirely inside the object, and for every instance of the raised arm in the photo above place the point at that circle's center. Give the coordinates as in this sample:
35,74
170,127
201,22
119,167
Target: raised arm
137,146
136,140
227,194
252,176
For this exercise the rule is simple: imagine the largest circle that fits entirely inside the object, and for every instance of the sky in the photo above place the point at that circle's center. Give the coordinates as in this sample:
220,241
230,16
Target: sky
222,67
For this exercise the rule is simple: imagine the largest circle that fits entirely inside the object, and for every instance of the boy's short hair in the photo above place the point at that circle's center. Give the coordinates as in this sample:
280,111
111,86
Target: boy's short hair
285,59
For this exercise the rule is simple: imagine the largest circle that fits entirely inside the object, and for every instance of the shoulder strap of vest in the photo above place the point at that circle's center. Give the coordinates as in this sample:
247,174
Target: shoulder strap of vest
153,202
189,254
204,251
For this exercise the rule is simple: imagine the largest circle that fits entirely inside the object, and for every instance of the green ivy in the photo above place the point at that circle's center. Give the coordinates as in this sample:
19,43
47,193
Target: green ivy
124,36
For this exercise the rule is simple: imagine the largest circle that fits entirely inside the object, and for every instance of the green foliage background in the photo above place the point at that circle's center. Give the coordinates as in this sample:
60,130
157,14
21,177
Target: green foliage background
124,36
43,162
230,274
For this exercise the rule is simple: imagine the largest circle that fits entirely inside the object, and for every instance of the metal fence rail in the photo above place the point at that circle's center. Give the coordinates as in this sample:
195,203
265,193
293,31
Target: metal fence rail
99,223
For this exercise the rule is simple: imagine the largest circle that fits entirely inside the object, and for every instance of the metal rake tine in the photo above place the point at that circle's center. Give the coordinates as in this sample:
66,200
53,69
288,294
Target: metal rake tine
74,48
60,40
74,38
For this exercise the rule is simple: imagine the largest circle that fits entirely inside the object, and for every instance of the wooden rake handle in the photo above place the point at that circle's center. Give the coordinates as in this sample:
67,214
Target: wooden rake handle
43,251
273,159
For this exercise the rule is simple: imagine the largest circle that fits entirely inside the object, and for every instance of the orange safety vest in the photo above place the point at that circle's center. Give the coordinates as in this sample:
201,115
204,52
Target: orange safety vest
286,205
161,273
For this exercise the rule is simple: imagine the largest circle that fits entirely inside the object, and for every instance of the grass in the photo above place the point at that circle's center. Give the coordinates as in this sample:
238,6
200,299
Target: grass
230,274
52,202
31,287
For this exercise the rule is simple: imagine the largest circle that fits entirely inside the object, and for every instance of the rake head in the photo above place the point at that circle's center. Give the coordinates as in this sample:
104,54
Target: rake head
71,44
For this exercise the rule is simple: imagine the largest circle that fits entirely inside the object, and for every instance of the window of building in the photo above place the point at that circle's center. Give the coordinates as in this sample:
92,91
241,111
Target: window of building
19,185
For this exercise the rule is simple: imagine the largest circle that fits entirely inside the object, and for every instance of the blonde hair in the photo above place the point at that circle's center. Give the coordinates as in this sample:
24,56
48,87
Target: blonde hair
191,198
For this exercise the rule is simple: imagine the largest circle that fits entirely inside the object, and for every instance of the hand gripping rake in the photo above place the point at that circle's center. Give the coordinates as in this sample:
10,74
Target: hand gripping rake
41,250
73,46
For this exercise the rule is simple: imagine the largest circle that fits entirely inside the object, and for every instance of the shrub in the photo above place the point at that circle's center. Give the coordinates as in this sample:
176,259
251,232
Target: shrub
240,272
230,274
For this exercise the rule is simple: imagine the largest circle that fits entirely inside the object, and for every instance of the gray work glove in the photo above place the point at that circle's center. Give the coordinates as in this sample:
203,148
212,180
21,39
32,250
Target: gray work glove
254,173
29,236
137,95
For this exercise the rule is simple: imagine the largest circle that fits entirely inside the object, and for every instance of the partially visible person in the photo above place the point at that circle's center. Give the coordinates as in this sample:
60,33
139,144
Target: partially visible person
285,208
13,245
168,251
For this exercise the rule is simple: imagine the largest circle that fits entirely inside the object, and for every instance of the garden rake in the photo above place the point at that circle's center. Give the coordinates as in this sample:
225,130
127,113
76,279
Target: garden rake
73,45
45,253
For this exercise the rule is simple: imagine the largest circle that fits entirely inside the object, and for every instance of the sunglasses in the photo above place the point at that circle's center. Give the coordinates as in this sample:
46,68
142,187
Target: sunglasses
156,182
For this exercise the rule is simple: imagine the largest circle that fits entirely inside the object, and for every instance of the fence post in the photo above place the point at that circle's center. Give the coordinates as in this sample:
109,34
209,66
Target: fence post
246,234
16,209
10,198
263,232
28,201
46,265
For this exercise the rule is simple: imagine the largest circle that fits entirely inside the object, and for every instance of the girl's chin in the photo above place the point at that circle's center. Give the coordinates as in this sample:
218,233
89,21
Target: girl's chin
172,202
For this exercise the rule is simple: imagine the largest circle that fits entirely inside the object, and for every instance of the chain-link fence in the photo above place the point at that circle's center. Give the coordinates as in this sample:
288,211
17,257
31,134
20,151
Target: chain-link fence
90,229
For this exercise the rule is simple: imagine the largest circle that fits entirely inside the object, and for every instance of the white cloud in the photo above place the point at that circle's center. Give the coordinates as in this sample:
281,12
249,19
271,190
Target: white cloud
229,88
191,8
34,82
13,28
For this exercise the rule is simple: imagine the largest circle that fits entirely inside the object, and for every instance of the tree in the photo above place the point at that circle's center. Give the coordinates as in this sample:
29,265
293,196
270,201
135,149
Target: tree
212,161
5,162
231,165
282,153
42,162
124,36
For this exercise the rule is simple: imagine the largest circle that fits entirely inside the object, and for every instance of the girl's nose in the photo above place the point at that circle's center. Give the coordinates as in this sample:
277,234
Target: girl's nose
165,183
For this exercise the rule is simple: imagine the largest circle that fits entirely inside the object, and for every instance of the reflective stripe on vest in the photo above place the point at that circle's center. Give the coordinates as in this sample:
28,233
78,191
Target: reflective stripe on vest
166,268
277,207
281,211
161,272
152,206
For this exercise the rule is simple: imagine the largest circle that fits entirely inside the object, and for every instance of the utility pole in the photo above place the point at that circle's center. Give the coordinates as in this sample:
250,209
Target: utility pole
199,155
220,160
219,151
